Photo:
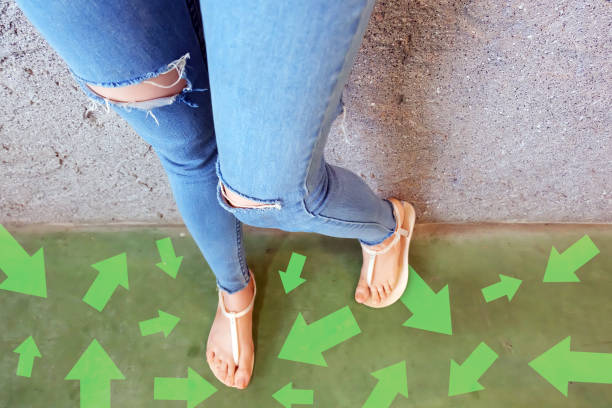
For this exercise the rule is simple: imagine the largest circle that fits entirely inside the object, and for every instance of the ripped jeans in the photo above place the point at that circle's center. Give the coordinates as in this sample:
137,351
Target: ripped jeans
263,85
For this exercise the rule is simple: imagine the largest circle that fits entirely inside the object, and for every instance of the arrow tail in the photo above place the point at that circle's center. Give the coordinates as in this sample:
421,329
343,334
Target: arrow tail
99,293
493,292
590,367
334,329
165,248
174,389
379,397
302,397
581,252
95,393
480,360
149,327
24,366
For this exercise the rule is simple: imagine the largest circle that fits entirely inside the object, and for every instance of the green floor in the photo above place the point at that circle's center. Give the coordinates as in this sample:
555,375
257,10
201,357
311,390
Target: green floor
466,258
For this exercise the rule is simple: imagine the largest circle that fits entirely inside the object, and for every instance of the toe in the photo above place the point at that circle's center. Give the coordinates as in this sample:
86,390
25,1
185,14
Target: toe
362,292
375,295
381,292
224,373
231,371
210,357
243,372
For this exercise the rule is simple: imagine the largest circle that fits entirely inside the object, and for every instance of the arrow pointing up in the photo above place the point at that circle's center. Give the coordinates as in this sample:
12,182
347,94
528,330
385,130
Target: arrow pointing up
164,323
95,370
559,366
194,389
112,273
288,396
27,352
25,273
306,342
464,378
391,381
170,263
291,279
430,311
563,267
506,286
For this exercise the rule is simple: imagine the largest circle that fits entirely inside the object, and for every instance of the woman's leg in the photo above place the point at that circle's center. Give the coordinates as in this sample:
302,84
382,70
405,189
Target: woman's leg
276,83
145,60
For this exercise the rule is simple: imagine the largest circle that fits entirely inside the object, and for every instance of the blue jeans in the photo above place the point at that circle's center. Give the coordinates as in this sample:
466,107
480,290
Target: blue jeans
264,83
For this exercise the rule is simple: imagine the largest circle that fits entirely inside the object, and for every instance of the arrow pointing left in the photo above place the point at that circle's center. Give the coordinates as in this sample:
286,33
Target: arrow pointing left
391,381
95,370
27,351
112,273
24,273
288,396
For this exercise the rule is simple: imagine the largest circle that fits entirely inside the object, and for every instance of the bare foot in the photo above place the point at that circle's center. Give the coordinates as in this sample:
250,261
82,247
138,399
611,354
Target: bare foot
387,267
219,346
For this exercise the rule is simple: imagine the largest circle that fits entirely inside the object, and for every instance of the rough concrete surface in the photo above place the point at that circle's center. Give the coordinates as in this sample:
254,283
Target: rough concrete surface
474,110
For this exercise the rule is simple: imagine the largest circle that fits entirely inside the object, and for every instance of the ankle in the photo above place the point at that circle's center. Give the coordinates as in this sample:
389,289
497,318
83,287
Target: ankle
238,301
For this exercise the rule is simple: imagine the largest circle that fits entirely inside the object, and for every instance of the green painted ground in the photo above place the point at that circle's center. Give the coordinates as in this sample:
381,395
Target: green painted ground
466,258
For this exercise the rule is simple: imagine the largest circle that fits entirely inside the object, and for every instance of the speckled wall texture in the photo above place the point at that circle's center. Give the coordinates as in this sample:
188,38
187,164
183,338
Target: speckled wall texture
474,110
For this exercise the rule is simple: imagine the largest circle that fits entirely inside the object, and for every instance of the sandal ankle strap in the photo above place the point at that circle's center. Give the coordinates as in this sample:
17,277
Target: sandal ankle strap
232,316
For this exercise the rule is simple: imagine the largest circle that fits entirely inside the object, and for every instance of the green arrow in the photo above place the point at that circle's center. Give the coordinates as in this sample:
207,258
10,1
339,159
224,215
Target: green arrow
559,365
27,351
164,323
430,311
288,396
24,273
391,381
291,279
563,267
112,273
95,370
170,262
507,286
464,378
194,389
306,343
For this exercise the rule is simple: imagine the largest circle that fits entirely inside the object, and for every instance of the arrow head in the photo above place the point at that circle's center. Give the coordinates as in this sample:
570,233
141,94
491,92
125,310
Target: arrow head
393,378
461,381
27,276
283,396
557,270
198,389
167,321
434,314
510,285
290,281
28,348
170,266
553,365
95,365
114,269
299,345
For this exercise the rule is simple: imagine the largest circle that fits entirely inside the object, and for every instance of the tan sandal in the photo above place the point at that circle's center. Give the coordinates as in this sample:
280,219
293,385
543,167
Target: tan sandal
405,229
232,316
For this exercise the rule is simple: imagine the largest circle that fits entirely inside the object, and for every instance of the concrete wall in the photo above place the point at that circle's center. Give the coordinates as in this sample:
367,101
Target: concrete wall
479,110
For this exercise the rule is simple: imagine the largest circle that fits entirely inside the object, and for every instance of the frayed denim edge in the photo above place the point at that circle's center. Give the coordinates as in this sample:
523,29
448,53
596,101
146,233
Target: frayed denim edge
180,63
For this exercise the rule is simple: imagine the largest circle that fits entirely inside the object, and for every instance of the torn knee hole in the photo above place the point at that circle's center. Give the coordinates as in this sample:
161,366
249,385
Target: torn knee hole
163,85
237,201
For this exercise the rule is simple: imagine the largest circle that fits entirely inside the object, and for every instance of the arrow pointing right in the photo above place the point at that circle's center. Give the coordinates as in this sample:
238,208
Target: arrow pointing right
464,378
506,286
391,381
164,323
194,389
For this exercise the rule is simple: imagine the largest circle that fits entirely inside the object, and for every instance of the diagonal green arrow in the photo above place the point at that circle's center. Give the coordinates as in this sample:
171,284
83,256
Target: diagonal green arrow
507,286
95,370
24,273
170,263
291,279
112,273
306,342
288,396
559,365
194,389
430,311
391,381
464,378
27,351
563,267
164,323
